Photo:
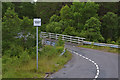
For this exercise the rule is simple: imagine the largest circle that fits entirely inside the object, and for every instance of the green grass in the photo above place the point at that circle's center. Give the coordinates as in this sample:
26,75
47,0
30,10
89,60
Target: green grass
101,48
49,61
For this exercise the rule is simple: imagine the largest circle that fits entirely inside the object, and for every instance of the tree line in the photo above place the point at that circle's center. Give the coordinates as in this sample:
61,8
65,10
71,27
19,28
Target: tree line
98,22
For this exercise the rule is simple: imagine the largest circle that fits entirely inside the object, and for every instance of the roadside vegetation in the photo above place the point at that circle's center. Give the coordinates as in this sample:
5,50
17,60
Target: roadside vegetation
24,64
19,49
101,48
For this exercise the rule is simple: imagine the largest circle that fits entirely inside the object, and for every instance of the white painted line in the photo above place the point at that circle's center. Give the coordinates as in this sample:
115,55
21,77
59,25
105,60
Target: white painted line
95,64
97,67
80,55
97,72
76,53
86,58
92,61
96,76
83,56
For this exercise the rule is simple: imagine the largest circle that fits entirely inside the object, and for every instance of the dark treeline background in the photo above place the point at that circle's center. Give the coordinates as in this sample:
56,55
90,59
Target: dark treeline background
98,22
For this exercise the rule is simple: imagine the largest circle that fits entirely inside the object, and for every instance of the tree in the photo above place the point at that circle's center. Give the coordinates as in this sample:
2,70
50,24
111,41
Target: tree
54,18
109,26
54,27
64,24
118,32
25,9
65,13
46,10
92,30
70,31
84,10
5,6
108,7
10,28
28,32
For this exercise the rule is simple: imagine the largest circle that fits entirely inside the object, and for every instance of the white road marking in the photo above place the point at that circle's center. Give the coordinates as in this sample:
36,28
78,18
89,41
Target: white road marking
90,60
80,55
97,67
86,58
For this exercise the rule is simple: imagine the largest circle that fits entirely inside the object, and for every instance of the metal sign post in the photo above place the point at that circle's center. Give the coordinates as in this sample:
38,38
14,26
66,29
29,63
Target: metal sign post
37,22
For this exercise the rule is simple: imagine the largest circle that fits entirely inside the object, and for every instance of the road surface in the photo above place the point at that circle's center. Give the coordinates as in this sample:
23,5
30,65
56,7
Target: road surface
79,67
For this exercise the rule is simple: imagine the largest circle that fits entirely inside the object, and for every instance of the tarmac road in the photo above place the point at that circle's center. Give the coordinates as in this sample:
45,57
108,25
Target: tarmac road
78,67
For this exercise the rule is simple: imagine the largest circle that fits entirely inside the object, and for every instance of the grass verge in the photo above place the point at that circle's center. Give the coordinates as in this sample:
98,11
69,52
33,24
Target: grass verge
105,49
49,61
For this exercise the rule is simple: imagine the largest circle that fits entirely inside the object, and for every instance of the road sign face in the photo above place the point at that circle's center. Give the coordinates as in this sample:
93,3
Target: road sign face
37,22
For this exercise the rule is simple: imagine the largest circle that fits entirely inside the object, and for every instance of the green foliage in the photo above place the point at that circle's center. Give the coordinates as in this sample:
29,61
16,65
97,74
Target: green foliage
110,25
49,51
26,68
28,31
5,6
10,28
24,57
14,50
65,12
73,20
60,49
46,10
118,41
109,40
66,15
70,31
84,10
12,25
113,42
101,48
25,9
54,18
92,30
54,27
64,24
105,7
60,42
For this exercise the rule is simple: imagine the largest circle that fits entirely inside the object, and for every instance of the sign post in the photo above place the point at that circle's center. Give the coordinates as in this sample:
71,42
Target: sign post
37,22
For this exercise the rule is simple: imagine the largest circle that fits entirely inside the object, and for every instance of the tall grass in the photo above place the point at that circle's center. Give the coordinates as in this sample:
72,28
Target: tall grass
25,65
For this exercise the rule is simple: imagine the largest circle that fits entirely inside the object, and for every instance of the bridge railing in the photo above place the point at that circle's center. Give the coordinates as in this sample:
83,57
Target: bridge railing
66,38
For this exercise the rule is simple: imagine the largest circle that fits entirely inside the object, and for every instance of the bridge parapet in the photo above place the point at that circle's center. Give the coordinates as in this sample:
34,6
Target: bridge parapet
66,38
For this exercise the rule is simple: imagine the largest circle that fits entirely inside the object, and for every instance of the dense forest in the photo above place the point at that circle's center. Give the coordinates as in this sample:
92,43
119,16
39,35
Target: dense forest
98,22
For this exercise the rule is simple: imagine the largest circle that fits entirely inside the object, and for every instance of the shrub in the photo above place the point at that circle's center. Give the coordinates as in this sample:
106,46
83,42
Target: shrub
24,57
108,40
118,41
59,49
14,50
49,51
112,42
60,42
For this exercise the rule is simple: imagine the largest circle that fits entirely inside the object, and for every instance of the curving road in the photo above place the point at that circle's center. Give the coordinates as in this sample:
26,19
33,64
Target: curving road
79,67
